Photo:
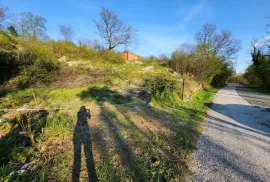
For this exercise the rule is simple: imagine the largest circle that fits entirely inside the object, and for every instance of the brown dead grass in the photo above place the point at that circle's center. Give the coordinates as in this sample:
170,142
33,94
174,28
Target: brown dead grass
76,80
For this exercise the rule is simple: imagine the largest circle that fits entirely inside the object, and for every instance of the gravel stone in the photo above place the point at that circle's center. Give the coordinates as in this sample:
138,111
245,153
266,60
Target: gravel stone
234,145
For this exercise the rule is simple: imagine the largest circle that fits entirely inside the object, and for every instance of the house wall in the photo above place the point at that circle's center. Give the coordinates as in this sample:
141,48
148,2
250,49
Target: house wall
130,56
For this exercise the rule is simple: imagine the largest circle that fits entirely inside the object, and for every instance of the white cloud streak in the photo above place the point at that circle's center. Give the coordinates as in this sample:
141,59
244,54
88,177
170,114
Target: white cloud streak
194,11
262,42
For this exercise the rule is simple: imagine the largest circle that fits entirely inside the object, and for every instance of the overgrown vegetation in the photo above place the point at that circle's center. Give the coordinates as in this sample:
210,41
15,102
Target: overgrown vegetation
210,60
46,150
161,88
90,102
258,73
130,142
237,78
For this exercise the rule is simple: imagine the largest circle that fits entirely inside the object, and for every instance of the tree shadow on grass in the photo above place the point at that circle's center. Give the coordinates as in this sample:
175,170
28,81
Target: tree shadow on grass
126,154
103,94
122,129
184,133
82,138
111,121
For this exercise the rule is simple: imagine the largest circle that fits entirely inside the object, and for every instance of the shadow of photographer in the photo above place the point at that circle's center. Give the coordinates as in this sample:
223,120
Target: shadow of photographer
81,138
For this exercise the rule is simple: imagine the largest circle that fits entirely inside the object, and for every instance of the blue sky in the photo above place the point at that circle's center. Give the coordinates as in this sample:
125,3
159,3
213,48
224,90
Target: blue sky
162,24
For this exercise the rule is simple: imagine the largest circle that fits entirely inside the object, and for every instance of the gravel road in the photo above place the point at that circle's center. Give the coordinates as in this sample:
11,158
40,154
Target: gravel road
235,143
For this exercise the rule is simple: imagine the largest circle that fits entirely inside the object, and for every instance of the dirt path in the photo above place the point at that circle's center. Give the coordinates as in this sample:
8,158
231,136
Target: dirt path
235,144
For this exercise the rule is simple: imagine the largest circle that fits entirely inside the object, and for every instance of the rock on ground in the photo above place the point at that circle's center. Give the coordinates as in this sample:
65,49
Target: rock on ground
148,68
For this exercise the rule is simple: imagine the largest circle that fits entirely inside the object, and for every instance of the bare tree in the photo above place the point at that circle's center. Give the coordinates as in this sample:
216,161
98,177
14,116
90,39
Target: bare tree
186,48
4,14
206,33
163,57
92,44
223,45
268,26
31,25
67,32
113,30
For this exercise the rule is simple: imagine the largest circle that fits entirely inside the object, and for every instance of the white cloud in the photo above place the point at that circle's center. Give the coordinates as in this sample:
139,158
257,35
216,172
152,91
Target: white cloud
262,42
194,11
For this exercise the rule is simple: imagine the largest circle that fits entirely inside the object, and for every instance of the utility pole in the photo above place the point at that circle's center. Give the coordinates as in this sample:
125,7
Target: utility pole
183,89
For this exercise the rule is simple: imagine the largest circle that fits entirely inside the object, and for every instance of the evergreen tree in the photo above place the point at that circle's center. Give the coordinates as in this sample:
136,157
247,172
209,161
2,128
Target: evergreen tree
12,31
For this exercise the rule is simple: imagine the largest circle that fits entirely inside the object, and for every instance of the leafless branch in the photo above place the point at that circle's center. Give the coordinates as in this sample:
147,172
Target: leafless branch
113,30
223,45
67,32
5,14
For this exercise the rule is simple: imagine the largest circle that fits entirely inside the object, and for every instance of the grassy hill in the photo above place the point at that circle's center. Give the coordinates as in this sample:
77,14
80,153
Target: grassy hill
89,119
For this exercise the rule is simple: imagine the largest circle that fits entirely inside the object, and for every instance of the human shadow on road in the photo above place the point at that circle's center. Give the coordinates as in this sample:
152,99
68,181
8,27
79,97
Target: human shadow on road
81,138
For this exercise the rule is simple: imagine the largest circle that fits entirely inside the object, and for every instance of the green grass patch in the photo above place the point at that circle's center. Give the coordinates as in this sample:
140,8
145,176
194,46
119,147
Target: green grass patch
50,132
14,98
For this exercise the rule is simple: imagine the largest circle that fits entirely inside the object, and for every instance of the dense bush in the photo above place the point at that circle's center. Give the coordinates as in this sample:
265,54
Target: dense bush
33,49
237,79
63,48
8,56
161,88
29,59
221,78
110,56
258,73
38,73
72,51
252,76
202,63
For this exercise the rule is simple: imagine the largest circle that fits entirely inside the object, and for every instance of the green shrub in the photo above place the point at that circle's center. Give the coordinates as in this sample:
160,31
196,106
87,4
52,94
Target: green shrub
252,76
63,48
110,56
8,59
38,73
72,51
237,79
161,88
33,49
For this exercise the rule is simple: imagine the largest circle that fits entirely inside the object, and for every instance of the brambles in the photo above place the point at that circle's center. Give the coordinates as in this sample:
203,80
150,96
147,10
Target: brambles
161,87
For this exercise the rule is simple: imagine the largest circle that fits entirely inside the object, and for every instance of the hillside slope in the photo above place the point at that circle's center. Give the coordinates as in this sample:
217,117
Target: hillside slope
90,121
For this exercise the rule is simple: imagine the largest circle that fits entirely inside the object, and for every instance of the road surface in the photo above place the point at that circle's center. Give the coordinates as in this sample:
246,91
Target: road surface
235,143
